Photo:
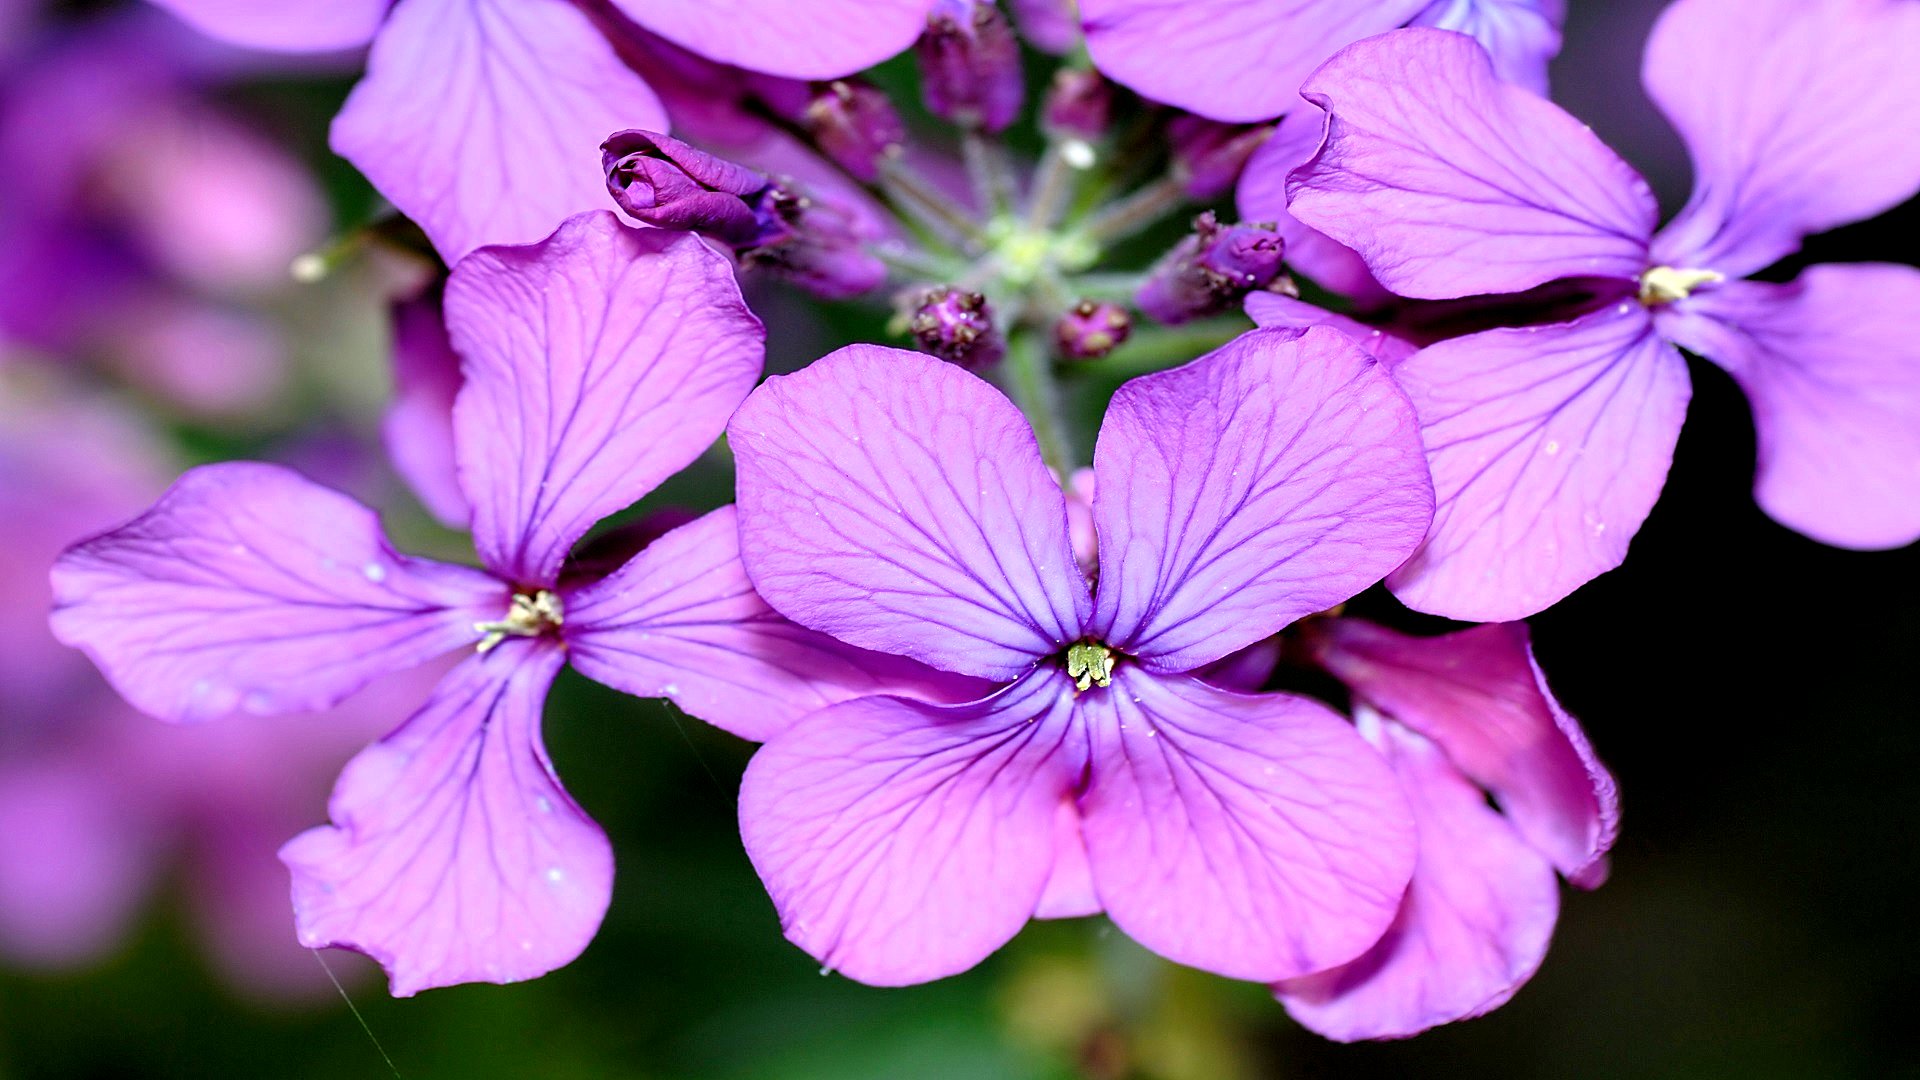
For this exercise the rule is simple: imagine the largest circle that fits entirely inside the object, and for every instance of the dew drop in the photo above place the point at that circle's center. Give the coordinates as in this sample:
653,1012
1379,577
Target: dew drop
375,572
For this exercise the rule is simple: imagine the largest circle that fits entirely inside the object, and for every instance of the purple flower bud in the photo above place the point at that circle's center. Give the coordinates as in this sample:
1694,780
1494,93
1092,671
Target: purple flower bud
1092,329
854,125
970,65
1079,103
1213,270
957,326
663,181
1209,155
811,241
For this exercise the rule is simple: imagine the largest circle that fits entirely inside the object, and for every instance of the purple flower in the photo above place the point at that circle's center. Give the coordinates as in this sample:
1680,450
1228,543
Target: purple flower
668,184
596,364
1213,269
970,65
1549,444
1243,60
478,118
901,505
1460,717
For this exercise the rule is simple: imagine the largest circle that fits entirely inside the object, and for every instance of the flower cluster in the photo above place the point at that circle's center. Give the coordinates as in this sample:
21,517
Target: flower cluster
992,684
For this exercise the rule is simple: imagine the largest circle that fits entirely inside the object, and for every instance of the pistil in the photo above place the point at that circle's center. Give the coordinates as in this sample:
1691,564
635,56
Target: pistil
528,616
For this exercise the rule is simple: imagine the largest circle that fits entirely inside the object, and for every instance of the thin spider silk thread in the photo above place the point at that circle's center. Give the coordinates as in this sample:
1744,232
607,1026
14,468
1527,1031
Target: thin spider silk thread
355,1010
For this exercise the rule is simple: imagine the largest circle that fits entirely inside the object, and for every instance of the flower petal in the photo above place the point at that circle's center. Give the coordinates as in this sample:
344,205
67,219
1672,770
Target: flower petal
821,39
1473,928
1479,694
900,504
1549,445
903,841
284,25
681,621
482,119
248,587
1832,368
455,855
1069,893
1449,182
1256,836
598,363
1520,35
1233,60
1262,196
417,430
79,848
1797,113
1277,311
1275,477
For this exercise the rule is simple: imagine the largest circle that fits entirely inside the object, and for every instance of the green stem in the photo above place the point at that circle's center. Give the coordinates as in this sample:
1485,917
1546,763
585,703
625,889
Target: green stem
1027,374
1152,348
1135,212
909,192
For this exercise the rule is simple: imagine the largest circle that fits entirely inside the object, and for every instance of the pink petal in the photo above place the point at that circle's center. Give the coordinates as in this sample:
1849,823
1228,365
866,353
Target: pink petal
1262,196
284,25
417,430
821,39
681,621
1273,478
598,363
904,842
1473,928
900,504
1256,836
1832,368
1797,113
1549,445
1479,694
248,587
1234,60
482,119
1520,35
1069,893
455,855
1277,311
1449,182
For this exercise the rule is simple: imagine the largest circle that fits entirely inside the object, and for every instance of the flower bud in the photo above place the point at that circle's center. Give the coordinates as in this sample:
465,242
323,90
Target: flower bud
1092,329
1212,270
1209,155
957,326
970,65
664,182
1079,103
812,241
854,125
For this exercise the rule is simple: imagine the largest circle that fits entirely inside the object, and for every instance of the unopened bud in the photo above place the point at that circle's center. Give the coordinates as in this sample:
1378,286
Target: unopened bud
970,65
1079,104
854,125
1092,329
812,241
1209,155
957,326
664,182
1213,270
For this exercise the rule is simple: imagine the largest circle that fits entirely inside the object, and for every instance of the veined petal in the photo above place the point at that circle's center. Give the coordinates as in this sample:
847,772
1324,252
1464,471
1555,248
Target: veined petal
1233,60
681,621
1473,928
417,430
900,504
248,587
284,25
1262,196
1273,478
455,855
598,363
481,119
1549,445
1481,697
1832,368
1520,35
1798,114
1279,312
1257,836
1069,893
821,39
1450,182
902,841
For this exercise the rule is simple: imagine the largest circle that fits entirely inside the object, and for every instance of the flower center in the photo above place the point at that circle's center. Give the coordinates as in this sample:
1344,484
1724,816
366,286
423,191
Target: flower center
1666,284
528,616
1089,664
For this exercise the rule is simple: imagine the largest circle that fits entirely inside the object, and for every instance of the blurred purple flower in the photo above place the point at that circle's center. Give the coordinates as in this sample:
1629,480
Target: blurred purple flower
1549,444
596,364
1460,717
901,505
478,118
1244,60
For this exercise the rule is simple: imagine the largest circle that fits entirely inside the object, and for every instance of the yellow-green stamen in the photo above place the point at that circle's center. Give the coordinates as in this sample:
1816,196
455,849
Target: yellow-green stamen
530,616
1090,664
